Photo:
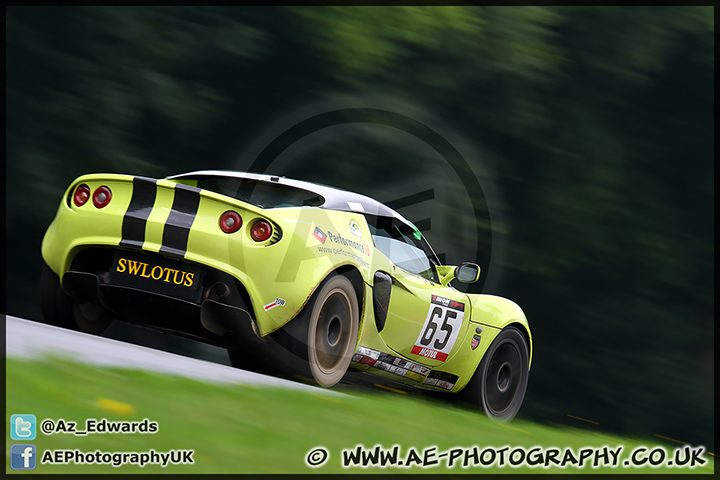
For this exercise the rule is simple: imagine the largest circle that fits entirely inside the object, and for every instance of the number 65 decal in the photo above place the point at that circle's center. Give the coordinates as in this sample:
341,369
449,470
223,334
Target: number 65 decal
441,329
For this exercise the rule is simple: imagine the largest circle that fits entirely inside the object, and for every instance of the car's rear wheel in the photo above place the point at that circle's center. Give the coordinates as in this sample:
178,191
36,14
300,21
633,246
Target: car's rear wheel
500,381
323,337
91,317
61,310
56,305
254,358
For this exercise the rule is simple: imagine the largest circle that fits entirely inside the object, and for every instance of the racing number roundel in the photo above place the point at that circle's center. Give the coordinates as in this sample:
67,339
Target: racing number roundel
441,329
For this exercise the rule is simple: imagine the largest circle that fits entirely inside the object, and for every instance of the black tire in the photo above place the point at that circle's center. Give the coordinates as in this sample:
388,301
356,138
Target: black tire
254,358
56,305
498,385
323,337
91,317
61,310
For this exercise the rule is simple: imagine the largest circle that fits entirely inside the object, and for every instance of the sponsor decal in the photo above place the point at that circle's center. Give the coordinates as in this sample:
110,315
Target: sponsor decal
420,369
429,353
397,370
367,361
475,342
392,368
345,253
320,235
357,358
412,366
368,352
414,376
390,363
441,329
279,302
448,303
157,273
441,380
383,366
444,384
402,363
359,246
355,229
416,232
387,358
443,376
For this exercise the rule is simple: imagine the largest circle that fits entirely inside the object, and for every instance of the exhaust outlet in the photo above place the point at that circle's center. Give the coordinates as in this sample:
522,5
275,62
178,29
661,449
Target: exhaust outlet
220,290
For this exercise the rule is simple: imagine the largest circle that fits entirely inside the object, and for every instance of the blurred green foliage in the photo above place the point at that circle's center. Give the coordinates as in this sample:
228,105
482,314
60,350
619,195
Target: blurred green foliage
595,124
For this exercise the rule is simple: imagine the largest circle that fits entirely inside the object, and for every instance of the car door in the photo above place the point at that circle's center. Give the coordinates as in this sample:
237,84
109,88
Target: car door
424,319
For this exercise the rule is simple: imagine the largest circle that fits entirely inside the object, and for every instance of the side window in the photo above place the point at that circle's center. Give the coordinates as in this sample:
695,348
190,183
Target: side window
402,247
405,256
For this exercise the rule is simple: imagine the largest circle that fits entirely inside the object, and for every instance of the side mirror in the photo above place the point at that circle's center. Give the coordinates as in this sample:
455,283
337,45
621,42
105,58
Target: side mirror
467,273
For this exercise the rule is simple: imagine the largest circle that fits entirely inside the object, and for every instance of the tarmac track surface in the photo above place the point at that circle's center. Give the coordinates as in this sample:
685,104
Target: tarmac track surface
28,339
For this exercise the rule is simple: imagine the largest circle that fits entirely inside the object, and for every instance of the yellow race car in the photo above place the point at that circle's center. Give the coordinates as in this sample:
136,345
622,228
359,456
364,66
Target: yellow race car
314,278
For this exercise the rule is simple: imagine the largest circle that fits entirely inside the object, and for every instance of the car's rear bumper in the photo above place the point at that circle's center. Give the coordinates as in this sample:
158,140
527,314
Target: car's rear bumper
218,315
178,222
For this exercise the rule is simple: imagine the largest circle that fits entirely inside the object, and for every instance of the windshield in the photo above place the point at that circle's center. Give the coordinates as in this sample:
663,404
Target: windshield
259,193
403,245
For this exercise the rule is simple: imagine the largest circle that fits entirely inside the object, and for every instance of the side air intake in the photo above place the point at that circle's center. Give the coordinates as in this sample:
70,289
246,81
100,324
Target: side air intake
382,286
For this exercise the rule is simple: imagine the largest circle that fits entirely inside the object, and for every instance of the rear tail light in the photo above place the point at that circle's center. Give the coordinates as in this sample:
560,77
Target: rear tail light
230,222
102,196
261,230
82,195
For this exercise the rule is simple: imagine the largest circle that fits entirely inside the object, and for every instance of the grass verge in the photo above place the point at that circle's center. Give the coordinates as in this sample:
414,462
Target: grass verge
243,429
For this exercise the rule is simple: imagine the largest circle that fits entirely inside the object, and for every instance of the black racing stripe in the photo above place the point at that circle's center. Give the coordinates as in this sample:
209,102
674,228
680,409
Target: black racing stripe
135,219
177,228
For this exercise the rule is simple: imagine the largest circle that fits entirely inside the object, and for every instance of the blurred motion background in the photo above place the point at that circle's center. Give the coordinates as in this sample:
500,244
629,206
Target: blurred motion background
593,126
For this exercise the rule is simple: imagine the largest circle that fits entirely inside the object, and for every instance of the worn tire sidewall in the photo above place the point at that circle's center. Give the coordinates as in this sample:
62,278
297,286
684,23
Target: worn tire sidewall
337,283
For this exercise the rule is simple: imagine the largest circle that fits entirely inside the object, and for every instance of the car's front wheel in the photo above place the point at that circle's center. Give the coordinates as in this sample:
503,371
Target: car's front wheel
499,383
323,337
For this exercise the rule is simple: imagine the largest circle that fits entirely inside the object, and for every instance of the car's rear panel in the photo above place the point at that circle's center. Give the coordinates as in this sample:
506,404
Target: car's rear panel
162,220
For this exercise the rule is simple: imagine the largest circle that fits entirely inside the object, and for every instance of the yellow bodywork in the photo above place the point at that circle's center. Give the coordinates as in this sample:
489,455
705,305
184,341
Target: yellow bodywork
315,242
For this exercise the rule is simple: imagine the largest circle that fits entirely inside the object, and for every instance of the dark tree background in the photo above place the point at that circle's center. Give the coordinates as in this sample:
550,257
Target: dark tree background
595,123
